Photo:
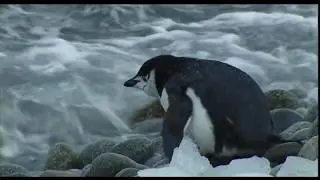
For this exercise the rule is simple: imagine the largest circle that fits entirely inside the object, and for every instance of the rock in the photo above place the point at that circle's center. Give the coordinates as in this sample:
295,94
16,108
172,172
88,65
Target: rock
275,170
283,118
310,149
109,164
155,159
85,170
150,126
157,145
290,131
161,163
61,157
279,98
91,151
59,173
299,93
300,135
7,169
302,111
313,131
278,153
127,172
150,111
137,149
312,113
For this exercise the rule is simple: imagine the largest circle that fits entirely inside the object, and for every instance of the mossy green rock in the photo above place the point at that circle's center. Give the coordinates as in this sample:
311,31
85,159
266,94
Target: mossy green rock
150,111
109,164
61,157
138,149
279,98
91,151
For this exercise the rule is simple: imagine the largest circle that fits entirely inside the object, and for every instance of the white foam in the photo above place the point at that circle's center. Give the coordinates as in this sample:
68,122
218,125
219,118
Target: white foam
298,167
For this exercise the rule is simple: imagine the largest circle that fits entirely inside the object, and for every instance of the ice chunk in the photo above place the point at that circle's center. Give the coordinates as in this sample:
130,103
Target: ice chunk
242,167
297,166
188,159
163,172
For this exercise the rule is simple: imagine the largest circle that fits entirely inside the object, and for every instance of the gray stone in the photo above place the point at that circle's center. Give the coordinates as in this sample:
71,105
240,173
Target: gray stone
18,175
157,145
312,113
91,151
314,128
279,98
85,170
148,126
283,118
150,111
310,149
294,128
278,153
109,164
59,173
127,172
154,160
8,169
61,157
275,169
301,134
137,149
161,163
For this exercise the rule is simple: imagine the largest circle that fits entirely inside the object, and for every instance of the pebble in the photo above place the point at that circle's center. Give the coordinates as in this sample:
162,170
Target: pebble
278,153
91,151
279,98
283,118
137,149
295,128
7,169
61,157
314,128
310,149
59,173
127,172
312,113
109,164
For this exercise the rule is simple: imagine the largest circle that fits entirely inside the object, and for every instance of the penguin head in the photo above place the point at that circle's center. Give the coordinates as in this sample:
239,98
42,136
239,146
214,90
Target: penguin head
153,74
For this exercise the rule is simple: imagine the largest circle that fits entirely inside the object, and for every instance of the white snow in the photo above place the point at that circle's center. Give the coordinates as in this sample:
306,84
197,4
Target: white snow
297,166
187,162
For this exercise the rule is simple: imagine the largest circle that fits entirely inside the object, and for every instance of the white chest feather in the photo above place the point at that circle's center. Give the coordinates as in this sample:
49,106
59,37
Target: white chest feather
164,101
200,125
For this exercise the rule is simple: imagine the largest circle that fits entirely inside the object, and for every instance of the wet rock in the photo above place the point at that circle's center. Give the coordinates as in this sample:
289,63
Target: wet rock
299,93
157,145
61,157
150,111
312,113
18,175
278,153
279,98
7,169
300,135
154,160
310,149
161,163
91,151
313,131
85,170
137,149
109,164
127,172
59,173
283,118
293,129
150,126
302,111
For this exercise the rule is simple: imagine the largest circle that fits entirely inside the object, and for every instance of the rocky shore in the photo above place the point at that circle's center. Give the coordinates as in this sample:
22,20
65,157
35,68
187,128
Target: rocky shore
294,119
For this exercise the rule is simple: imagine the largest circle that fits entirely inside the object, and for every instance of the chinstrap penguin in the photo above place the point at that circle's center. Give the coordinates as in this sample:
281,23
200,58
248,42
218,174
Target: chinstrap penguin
223,108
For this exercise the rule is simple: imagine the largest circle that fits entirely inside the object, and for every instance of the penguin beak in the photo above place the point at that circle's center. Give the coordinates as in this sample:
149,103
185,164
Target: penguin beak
131,82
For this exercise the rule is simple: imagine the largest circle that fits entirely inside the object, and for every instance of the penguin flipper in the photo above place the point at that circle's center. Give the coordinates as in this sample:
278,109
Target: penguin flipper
174,122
